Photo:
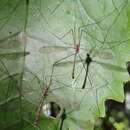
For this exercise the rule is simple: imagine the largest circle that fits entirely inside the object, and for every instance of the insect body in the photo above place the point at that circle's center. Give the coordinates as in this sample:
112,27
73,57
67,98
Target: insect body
44,96
87,61
39,109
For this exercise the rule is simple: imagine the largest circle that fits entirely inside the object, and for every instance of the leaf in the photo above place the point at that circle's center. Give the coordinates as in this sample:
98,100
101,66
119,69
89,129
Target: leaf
38,37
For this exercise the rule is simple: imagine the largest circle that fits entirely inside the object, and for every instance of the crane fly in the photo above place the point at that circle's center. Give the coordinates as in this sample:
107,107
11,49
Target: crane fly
88,61
59,49
39,109
76,32
44,96
64,114
45,92
56,49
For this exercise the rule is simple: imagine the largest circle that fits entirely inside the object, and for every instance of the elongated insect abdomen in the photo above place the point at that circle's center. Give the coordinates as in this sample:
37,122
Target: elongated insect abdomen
38,112
88,61
45,94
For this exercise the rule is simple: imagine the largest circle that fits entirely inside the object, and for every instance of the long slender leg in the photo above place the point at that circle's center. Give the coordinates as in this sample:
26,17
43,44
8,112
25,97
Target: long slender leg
109,29
73,70
78,75
79,35
76,51
58,62
97,103
82,61
57,6
104,41
87,91
64,35
97,22
39,109
74,42
67,33
92,49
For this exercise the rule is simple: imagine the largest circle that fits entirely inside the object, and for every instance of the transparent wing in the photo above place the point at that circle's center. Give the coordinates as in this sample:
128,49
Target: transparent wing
111,66
104,65
53,49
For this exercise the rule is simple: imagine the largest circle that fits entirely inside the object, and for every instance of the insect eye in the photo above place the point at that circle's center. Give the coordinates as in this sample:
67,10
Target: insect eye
51,109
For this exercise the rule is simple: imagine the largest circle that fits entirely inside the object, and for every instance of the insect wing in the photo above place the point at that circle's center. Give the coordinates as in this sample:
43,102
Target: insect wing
111,66
53,49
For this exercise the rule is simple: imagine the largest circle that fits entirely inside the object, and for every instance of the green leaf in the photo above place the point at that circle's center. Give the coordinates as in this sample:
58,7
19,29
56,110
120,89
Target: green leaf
39,41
